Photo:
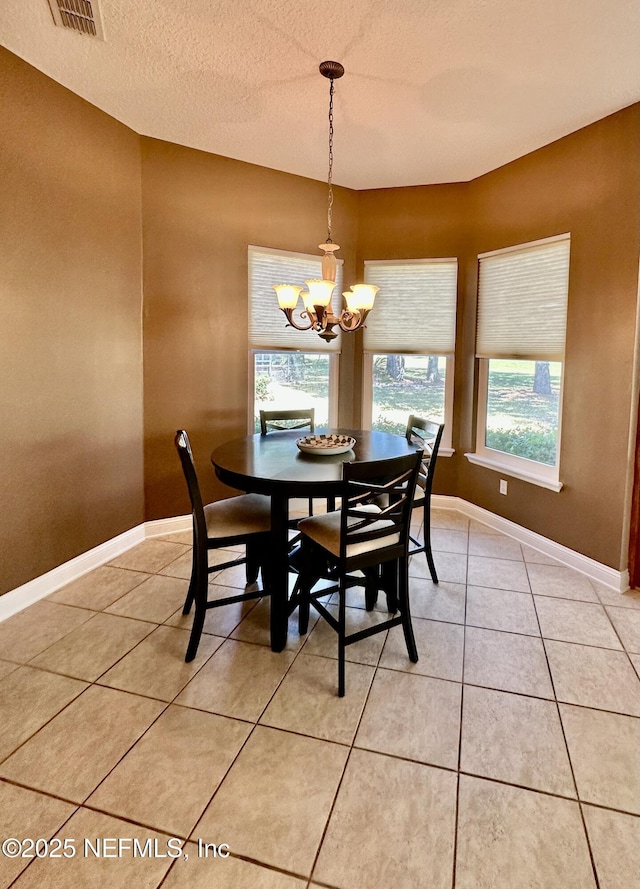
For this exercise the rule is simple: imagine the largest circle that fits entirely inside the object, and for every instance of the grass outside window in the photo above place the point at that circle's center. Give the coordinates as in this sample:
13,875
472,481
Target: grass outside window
407,384
523,409
291,380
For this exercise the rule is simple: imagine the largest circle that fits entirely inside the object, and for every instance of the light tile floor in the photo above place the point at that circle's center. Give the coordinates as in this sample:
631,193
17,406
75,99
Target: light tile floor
507,757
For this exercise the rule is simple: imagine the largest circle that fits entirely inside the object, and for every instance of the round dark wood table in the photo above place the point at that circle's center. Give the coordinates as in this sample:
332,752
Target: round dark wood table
272,464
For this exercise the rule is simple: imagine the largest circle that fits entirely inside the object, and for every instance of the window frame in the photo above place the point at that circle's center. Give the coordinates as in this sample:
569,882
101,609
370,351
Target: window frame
509,464
446,449
333,354
523,468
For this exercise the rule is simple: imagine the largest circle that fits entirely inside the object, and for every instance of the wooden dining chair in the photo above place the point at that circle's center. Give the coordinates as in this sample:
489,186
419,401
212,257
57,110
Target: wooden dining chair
362,544
280,421
283,421
426,436
238,520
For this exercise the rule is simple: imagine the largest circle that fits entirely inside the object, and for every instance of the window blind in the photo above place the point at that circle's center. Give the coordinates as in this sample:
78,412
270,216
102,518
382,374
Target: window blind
415,310
522,301
267,324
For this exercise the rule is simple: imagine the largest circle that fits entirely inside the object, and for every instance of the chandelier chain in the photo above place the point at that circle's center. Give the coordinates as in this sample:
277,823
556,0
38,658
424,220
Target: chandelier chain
317,312
330,176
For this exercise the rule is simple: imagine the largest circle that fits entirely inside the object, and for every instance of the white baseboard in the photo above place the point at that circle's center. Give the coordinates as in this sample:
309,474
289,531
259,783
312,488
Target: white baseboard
609,577
159,527
40,587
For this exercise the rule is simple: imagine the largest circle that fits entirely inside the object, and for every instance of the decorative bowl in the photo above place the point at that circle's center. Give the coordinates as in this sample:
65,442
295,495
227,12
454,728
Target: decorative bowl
330,443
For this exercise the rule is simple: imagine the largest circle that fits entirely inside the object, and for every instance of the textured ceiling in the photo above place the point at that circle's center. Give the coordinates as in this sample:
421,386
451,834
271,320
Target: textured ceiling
434,90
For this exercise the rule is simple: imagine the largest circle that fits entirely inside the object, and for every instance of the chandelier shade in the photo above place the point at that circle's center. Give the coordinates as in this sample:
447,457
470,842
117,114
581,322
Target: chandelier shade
320,292
287,295
361,297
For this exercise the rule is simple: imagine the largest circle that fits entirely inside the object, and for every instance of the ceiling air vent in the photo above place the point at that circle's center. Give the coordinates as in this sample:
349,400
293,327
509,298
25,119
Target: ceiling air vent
82,16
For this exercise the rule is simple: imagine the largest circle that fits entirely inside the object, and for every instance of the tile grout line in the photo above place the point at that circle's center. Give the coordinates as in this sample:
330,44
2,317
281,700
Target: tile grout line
346,763
618,636
457,803
126,617
171,702
53,833
568,752
145,576
77,697
55,715
244,744
136,741
588,803
237,857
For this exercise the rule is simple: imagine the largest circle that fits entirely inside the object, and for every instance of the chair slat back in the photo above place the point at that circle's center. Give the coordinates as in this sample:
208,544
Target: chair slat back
280,421
426,436
183,446
363,520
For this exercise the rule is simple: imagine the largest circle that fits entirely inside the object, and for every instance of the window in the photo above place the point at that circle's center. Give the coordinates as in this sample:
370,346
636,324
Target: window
288,368
521,326
409,343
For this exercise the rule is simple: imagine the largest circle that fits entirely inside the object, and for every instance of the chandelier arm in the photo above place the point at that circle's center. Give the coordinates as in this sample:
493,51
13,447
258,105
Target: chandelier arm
353,320
288,313
350,321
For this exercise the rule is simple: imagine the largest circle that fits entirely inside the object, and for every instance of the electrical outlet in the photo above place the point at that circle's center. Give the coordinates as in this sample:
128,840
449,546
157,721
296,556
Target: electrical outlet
503,486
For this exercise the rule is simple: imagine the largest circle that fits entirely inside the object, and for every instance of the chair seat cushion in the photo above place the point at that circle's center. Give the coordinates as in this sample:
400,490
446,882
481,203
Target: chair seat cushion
238,516
325,531
419,496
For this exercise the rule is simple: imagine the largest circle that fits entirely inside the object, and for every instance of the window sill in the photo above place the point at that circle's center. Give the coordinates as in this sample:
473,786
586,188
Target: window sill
445,452
523,475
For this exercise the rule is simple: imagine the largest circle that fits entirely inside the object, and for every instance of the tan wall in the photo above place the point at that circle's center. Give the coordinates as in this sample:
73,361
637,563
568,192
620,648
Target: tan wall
418,223
70,328
200,213
586,184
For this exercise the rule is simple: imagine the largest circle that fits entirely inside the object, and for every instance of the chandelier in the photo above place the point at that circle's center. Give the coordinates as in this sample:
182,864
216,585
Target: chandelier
316,300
